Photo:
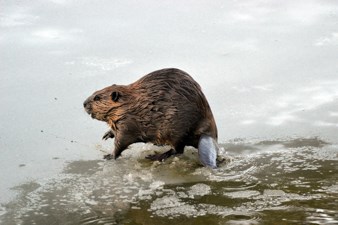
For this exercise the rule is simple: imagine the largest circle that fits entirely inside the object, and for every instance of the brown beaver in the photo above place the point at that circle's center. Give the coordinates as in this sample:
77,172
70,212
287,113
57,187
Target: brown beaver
165,107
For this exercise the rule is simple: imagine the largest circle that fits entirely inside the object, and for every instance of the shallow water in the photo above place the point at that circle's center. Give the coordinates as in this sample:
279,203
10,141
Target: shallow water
268,182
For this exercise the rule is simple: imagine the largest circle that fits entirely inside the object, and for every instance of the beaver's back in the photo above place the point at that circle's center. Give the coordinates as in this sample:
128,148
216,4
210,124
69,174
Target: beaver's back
172,108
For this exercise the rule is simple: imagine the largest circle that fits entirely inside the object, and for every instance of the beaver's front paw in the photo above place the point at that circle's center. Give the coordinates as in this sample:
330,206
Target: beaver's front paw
108,157
108,134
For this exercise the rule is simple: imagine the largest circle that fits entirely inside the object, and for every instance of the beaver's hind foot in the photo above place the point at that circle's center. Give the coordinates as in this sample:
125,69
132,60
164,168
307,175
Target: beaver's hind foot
161,157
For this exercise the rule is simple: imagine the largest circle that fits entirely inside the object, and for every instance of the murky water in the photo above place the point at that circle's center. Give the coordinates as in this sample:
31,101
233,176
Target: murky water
267,182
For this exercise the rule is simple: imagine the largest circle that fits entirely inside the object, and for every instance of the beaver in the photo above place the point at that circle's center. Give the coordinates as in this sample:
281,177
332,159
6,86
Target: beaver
165,107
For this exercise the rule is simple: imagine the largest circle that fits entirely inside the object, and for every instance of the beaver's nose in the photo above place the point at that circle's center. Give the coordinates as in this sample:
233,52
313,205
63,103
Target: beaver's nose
85,103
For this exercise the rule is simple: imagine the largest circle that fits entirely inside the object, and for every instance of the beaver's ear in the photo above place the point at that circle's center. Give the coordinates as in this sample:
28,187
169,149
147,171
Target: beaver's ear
115,96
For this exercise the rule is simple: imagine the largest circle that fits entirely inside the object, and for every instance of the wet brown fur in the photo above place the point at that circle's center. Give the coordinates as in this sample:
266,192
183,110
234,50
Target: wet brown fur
164,107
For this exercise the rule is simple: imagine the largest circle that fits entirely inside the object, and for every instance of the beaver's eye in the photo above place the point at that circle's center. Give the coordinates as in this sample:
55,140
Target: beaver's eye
115,96
97,98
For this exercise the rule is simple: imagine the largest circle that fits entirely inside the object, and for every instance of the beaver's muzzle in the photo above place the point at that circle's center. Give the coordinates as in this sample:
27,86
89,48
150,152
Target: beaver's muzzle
87,106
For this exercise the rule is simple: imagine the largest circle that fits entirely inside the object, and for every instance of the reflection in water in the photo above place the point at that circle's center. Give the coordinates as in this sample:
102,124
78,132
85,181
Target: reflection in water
291,181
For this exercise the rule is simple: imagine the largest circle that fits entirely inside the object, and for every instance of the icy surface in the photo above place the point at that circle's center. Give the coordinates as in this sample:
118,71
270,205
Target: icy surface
268,70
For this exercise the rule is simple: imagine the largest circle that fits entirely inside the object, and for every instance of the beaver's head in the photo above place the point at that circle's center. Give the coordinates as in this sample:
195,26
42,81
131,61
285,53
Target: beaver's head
106,104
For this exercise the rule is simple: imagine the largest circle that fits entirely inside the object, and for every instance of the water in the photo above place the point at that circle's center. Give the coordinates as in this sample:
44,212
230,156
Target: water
285,182
269,71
